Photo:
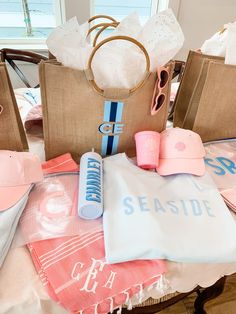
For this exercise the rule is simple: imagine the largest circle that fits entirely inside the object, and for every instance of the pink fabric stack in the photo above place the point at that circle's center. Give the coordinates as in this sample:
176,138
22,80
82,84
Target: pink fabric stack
76,274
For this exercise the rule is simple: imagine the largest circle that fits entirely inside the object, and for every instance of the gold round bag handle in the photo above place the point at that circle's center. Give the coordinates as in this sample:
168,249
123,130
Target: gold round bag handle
96,26
95,17
114,24
95,49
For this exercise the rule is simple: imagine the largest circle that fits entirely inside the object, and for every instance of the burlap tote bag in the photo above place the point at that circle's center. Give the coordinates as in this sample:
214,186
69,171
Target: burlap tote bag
190,89
79,115
216,113
12,135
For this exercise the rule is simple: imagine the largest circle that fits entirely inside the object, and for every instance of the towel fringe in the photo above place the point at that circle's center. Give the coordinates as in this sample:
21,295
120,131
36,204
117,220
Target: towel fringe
96,309
128,301
141,294
119,310
127,296
130,306
162,284
111,305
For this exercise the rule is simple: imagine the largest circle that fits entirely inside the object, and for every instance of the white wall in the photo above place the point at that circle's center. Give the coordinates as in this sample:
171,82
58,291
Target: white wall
200,19
79,8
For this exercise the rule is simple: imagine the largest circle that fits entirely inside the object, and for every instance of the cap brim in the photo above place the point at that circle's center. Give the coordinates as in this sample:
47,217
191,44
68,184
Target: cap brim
170,166
10,196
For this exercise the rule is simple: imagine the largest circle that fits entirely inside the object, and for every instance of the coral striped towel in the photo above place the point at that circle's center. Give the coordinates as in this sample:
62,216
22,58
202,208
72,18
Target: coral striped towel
77,276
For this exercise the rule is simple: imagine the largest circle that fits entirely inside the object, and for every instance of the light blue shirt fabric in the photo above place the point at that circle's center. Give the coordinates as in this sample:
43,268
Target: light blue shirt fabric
181,218
9,219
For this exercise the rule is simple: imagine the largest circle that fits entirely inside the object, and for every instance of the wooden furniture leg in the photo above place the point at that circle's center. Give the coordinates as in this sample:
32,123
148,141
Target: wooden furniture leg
207,295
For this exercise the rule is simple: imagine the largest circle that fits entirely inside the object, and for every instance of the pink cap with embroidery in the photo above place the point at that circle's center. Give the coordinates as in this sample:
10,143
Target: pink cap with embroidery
18,170
181,151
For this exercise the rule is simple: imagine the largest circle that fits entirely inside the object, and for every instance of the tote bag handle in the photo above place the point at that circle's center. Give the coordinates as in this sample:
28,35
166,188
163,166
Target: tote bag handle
95,17
127,38
114,24
105,25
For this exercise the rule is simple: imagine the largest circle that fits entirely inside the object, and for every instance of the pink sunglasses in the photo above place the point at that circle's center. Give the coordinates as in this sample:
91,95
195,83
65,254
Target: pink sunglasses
158,96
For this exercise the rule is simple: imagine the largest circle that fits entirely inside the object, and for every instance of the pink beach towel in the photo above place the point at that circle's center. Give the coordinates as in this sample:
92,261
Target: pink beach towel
76,274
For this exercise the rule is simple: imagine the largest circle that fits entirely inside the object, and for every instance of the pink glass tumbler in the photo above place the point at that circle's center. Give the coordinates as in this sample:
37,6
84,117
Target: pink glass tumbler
147,149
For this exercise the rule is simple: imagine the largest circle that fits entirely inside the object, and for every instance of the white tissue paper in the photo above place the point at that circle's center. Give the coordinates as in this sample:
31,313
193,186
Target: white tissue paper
129,26
69,45
119,63
216,45
162,37
230,56
222,44
56,38
112,66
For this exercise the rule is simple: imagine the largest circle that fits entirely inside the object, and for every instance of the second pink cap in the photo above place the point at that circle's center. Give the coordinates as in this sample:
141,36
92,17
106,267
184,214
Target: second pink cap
181,151
18,170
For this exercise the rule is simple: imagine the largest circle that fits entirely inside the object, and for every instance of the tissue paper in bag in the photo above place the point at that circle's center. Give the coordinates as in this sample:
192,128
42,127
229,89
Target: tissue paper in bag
119,64
162,37
230,57
216,45
122,65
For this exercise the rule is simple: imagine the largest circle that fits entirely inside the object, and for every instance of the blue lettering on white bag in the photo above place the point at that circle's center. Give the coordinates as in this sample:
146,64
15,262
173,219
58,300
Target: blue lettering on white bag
112,127
221,165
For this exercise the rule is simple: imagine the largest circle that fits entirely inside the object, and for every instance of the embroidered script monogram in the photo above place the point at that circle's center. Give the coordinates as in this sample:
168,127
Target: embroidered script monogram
90,284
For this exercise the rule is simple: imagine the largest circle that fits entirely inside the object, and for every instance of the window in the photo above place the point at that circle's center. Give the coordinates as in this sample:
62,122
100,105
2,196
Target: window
28,22
121,8
27,19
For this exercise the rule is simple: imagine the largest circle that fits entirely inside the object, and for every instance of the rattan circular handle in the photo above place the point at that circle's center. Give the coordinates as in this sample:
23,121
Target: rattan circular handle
95,49
1,109
101,17
114,24
95,27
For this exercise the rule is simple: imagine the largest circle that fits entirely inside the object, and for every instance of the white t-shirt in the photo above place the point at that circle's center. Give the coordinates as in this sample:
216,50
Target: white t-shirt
180,217
8,223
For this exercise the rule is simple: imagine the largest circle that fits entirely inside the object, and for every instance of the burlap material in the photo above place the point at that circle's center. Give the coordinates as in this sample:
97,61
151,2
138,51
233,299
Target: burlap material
216,114
190,89
77,118
206,100
12,135
196,96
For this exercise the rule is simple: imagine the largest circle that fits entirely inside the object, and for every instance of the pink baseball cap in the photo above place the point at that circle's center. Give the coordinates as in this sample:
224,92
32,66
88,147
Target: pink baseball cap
181,151
18,171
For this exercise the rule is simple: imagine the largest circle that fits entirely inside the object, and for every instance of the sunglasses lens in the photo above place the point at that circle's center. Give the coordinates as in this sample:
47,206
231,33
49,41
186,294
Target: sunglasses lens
164,75
160,101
